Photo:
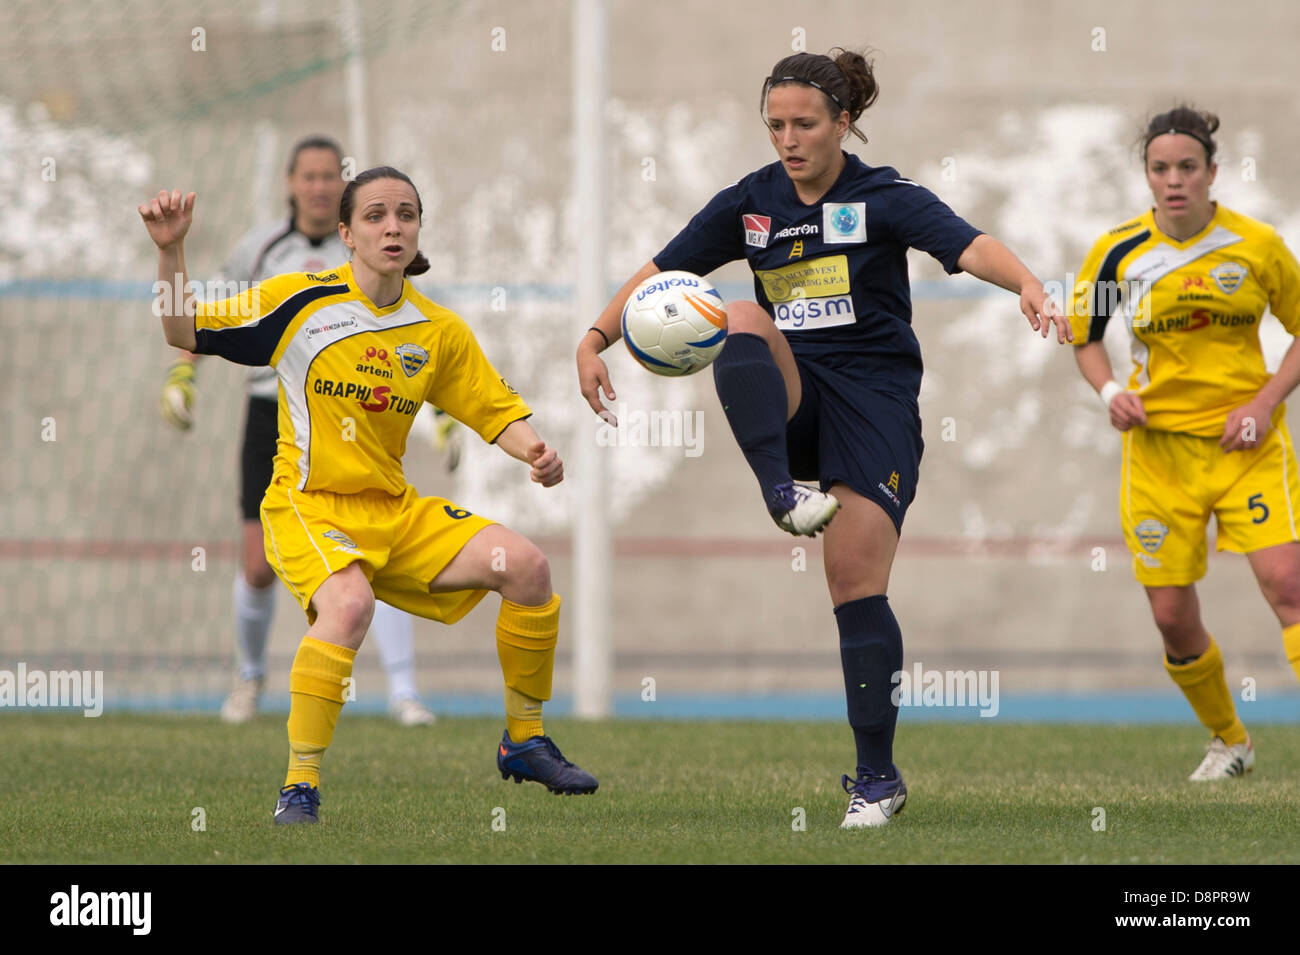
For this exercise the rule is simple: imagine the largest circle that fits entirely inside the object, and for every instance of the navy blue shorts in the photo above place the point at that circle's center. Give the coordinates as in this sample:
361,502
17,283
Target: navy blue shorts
847,430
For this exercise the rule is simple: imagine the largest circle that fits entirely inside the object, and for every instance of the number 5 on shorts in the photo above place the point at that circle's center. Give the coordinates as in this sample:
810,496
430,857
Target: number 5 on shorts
1254,503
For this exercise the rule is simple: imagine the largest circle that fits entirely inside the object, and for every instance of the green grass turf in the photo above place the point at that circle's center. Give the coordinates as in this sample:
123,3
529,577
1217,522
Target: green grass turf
121,789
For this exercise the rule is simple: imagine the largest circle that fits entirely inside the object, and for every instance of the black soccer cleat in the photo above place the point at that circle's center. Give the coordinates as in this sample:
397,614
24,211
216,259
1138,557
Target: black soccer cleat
540,760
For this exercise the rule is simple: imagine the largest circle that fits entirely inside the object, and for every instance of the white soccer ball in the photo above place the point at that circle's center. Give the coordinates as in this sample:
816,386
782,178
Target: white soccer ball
675,323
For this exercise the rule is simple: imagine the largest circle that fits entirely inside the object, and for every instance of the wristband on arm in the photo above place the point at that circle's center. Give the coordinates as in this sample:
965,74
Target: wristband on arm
1108,392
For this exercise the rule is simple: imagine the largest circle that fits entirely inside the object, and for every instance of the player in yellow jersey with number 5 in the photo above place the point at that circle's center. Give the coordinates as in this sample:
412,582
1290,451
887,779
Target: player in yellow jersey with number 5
342,524
1203,421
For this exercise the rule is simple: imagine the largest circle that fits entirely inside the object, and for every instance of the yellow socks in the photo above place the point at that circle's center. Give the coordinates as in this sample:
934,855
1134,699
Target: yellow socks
1203,683
316,688
526,639
1291,644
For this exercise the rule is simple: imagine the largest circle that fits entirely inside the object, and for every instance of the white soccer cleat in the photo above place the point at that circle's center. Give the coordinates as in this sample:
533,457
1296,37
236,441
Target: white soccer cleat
803,510
411,712
241,704
1225,762
873,801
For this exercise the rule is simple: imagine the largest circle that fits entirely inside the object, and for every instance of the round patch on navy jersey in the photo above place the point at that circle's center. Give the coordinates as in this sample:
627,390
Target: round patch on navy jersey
844,221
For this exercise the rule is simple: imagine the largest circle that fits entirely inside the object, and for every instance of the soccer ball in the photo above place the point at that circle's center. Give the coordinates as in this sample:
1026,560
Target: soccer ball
675,323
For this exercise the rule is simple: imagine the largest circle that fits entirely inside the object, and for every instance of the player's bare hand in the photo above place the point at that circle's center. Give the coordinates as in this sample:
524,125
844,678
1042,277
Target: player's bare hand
1126,411
1247,426
1042,311
593,378
547,468
168,217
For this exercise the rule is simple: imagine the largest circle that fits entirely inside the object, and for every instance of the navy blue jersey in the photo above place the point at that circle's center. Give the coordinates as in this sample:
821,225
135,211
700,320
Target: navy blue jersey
832,275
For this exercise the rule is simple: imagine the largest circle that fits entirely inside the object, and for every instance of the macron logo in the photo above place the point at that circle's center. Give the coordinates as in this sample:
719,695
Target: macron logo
102,908
757,229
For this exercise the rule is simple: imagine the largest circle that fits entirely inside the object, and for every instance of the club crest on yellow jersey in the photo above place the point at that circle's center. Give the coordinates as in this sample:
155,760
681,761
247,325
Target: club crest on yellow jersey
1228,276
413,358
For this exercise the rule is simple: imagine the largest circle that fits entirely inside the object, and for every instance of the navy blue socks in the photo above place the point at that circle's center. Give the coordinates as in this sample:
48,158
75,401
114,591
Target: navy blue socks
752,392
871,650
871,646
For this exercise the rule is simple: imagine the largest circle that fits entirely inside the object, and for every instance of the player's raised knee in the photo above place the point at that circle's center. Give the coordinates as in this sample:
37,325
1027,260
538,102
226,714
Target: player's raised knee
747,318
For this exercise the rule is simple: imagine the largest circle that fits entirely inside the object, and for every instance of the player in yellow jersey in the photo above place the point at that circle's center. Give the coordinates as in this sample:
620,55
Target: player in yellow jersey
1204,424
308,242
357,351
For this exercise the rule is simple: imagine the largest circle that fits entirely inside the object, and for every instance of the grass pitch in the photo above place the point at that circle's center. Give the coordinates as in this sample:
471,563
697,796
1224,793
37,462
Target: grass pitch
127,789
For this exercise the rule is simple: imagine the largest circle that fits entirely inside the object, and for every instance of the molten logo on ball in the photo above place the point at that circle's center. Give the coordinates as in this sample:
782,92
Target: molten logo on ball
675,323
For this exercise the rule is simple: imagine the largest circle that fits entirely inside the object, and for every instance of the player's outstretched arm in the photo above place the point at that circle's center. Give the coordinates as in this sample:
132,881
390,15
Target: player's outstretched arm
988,259
593,376
168,217
1125,407
520,441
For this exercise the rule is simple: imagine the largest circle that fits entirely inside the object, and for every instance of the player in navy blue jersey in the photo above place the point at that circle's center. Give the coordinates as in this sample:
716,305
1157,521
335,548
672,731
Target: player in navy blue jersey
819,379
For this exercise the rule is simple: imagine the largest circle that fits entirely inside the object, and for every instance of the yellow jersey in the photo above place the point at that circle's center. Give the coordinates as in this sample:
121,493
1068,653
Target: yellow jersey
1192,310
352,376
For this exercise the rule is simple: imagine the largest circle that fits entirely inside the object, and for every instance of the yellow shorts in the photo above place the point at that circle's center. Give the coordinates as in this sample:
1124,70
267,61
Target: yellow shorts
1172,482
402,544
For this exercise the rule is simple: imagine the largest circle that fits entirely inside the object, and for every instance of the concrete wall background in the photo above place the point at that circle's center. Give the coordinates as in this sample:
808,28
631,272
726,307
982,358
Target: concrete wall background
1010,111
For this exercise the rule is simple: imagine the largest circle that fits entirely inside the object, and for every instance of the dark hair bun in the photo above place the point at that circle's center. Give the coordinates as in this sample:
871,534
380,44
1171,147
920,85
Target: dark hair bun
860,79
